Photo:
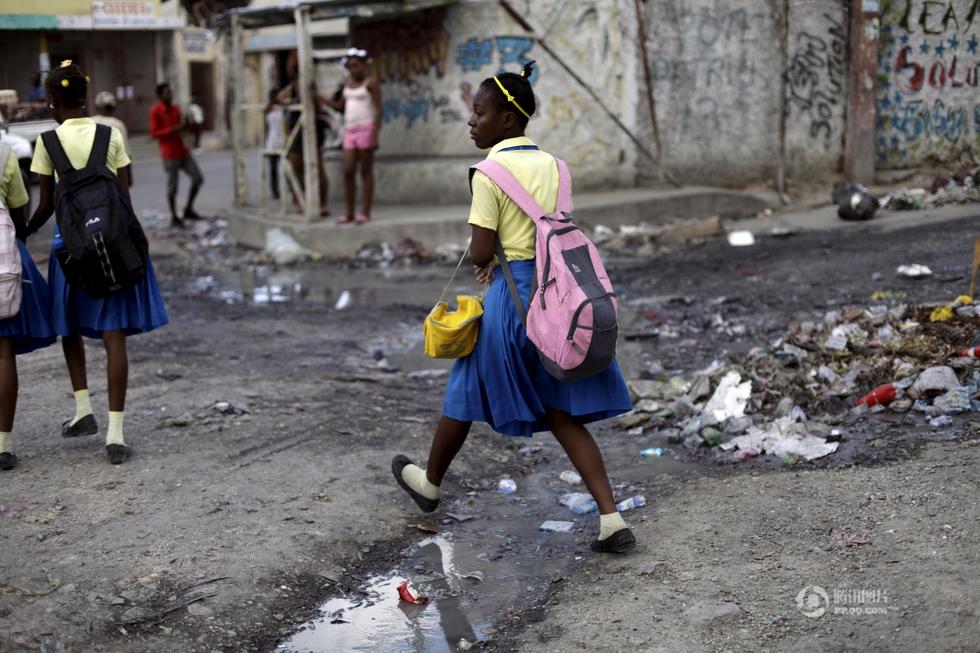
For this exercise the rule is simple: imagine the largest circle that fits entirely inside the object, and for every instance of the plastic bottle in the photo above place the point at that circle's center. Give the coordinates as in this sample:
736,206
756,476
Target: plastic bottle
633,502
883,394
578,502
653,451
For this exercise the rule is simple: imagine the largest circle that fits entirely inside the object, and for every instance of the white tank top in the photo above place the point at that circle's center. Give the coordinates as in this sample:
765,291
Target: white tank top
359,106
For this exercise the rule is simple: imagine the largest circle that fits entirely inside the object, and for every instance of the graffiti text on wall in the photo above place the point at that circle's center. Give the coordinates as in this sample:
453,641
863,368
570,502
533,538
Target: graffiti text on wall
511,52
815,76
709,61
929,73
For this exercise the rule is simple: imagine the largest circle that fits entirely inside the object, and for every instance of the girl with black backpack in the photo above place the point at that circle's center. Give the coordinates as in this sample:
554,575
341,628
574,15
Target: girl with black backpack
135,309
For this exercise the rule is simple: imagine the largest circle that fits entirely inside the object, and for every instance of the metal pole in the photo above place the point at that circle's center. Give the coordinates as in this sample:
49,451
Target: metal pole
651,103
783,108
235,71
311,154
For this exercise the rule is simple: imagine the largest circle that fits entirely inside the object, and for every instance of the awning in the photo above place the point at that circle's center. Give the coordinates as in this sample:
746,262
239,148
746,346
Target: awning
283,13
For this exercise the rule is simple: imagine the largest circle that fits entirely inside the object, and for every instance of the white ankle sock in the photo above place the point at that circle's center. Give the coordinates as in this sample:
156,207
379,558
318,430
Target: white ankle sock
416,479
5,442
114,434
609,524
83,405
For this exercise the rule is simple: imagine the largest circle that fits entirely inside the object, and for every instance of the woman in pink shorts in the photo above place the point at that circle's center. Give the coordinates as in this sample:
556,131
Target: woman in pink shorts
361,104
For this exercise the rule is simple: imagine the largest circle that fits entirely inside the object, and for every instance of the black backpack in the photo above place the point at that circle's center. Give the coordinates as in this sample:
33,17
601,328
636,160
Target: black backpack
105,248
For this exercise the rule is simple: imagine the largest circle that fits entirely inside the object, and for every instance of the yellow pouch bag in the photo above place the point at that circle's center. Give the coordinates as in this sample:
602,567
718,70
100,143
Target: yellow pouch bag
452,333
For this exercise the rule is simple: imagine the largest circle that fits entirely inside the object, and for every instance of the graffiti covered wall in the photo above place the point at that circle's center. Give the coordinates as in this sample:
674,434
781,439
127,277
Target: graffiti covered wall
928,92
431,64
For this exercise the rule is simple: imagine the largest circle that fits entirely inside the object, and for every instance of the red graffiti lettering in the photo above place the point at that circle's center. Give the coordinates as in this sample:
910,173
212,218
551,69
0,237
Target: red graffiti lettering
937,74
912,84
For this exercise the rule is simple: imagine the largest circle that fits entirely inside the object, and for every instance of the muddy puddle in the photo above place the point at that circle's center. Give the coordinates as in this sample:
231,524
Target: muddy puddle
488,561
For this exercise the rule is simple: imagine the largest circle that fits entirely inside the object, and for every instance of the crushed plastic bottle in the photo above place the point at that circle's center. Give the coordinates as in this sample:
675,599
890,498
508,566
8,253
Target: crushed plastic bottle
581,503
506,486
941,422
652,452
633,502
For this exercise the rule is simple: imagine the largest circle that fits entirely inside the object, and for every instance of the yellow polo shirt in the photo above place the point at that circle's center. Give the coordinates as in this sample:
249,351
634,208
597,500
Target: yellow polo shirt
77,136
12,190
492,209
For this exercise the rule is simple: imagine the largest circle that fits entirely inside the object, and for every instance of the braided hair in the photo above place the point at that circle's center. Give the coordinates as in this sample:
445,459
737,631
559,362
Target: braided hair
519,87
67,84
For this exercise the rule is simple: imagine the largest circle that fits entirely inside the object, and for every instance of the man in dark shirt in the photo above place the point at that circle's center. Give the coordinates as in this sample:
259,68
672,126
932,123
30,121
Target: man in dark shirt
165,125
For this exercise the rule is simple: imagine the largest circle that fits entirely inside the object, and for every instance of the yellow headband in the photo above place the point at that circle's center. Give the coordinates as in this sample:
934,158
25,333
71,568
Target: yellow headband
510,98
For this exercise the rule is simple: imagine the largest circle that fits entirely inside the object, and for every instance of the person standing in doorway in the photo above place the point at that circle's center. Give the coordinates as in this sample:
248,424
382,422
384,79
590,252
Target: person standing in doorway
166,123
361,104
196,126
290,96
105,104
275,138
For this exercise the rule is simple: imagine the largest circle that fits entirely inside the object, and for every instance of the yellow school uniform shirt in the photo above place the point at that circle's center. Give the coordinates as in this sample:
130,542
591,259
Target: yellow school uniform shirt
492,209
12,190
77,136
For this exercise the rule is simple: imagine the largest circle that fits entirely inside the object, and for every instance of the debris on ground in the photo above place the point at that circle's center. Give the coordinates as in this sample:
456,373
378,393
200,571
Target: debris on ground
632,502
854,202
570,477
506,486
283,249
557,526
961,188
853,539
913,271
787,399
409,594
581,503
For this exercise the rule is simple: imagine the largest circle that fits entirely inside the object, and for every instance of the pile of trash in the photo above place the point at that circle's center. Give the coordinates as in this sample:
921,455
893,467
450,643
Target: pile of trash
643,238
788,399
855,202
407,251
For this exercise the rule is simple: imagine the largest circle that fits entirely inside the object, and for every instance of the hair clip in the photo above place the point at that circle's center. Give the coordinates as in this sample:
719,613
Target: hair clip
88,80
66,63
64,83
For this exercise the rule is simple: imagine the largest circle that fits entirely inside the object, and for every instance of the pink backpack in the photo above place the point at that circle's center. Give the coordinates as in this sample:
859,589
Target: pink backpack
571,318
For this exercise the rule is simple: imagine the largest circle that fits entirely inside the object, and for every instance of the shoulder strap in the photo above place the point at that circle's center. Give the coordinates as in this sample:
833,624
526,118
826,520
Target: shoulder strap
564,187
99,154
57,153
513,189
511,284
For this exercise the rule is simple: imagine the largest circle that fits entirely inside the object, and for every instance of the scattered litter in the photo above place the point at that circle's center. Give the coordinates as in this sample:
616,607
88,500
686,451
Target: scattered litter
914,271
962,306
941,422
933,381
637,501
742,238
745,454
854,202
283,248
460,517
729,399
343,301
427,527
581,503
409,594
464,644
557,526
883,394
506,486
652,452
474,575
781,438
853,539
570,477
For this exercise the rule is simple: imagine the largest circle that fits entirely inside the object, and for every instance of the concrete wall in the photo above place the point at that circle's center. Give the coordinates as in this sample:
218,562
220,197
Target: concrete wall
928,94
431,66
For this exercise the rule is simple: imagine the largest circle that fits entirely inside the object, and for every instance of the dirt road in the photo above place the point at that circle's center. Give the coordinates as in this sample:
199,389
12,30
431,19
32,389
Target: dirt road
260,487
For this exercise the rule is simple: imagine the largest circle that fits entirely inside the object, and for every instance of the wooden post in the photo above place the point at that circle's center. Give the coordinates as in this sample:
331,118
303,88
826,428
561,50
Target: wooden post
311,154
859,144
236,69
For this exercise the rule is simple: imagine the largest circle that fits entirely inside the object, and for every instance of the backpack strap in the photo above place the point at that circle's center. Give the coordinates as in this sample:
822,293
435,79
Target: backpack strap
511,284
56,152
99,154
511,187
564,187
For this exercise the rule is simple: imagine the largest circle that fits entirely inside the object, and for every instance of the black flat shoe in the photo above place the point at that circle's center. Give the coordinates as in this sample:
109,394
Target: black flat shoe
191,214
177,223
425,503
8,460
117,453
621,541
84,426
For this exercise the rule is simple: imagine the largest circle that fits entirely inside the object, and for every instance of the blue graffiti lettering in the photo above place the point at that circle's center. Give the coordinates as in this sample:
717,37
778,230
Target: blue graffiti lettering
513,50
474,54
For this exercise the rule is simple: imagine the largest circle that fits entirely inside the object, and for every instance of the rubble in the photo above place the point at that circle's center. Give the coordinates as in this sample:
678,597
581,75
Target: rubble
785,399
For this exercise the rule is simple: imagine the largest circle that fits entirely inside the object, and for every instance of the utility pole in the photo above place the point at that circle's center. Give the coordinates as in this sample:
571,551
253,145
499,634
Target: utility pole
859,143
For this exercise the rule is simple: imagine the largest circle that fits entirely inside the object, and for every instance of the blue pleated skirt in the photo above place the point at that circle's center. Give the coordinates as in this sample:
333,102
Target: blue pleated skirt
504,383
135,310
31,328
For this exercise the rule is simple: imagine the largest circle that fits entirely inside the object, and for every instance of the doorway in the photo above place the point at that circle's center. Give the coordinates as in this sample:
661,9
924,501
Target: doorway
202,89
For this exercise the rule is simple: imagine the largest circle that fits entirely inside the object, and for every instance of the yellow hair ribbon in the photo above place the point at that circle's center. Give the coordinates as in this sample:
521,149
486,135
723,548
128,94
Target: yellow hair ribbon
66,63
510,98
64,83
88,79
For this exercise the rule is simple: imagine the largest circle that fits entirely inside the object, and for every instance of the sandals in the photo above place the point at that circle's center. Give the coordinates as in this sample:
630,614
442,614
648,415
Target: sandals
84,426
344,219
398,463
621,541
361,219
